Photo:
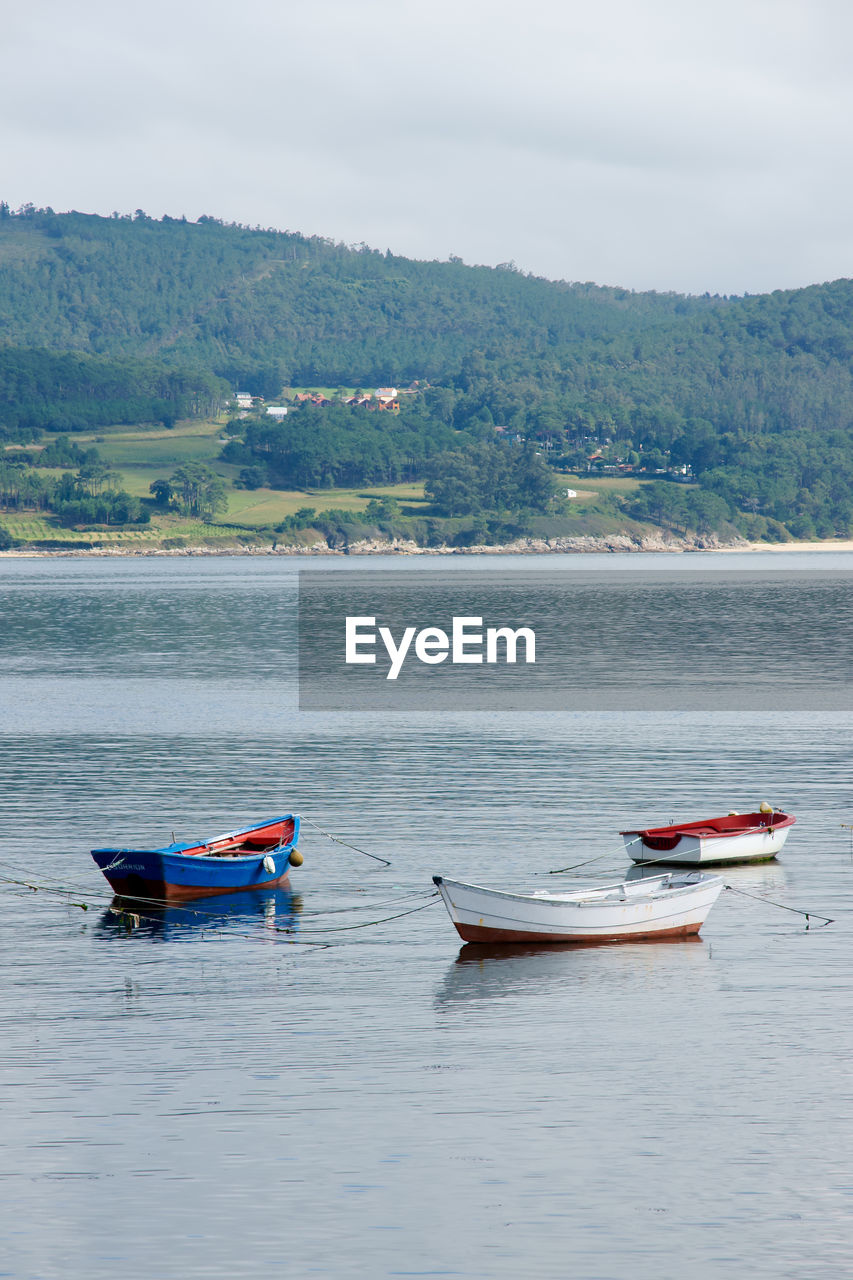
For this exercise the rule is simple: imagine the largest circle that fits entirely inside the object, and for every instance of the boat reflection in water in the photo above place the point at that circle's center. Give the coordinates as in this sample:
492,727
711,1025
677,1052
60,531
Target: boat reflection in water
573,969
752,877
477,952
274,909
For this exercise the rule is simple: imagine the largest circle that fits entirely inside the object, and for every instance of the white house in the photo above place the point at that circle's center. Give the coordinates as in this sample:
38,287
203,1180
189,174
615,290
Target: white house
277,410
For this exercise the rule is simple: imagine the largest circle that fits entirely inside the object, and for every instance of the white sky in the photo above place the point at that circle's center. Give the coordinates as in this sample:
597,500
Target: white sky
671,144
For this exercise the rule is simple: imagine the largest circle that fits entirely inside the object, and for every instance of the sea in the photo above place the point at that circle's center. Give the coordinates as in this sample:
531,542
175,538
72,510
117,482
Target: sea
325,1081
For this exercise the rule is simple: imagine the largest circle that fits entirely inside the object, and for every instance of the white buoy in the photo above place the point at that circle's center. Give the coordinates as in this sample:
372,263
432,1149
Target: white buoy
269,864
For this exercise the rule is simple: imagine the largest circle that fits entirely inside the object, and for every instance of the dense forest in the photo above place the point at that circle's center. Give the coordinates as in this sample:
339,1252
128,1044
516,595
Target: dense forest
129,318
44,390
339,445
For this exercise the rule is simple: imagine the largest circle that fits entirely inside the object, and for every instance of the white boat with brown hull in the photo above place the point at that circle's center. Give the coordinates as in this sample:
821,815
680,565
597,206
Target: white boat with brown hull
666,906
723,841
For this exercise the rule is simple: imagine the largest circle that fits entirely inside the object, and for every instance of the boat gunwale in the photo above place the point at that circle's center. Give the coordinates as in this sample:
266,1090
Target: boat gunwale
183,849
705,880
200,859
699,829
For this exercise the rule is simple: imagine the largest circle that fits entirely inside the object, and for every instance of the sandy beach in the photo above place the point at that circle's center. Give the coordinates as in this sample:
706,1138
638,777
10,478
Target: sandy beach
828,544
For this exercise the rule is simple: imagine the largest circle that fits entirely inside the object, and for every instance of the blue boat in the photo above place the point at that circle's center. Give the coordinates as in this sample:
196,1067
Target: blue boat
254,857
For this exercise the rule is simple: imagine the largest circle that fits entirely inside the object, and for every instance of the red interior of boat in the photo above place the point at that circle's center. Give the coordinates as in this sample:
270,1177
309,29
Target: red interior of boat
261,840
662,838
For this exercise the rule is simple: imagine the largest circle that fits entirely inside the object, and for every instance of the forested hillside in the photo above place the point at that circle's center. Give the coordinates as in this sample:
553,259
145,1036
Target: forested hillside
265,308
753,395
71,391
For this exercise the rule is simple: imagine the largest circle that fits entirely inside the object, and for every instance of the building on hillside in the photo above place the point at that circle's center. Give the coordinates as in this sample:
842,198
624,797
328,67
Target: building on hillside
376,402
386,394
277,411
244,399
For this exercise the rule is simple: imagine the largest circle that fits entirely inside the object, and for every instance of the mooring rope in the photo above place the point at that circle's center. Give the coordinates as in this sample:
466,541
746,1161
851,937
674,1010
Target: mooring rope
366,906
196,915
345,843
609,853
44,888
783,907
367,924
136,917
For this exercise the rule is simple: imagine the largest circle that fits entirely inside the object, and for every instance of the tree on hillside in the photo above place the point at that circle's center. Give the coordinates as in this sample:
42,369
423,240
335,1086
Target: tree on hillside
200,491
161,491
488,476
662,502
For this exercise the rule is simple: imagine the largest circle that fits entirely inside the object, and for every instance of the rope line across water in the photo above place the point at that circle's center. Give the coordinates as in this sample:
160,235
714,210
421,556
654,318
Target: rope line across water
782,906
345,843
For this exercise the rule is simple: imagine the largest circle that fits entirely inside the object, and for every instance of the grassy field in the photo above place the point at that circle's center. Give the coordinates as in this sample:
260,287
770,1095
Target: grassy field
589,486
38,528
268,506
257,507
154,449
159,456
149,431
33,528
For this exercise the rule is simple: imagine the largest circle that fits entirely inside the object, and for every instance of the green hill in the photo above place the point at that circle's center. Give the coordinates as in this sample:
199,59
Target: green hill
267,308
128,319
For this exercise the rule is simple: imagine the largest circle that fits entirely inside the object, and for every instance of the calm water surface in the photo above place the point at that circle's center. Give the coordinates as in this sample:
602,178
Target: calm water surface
317,1083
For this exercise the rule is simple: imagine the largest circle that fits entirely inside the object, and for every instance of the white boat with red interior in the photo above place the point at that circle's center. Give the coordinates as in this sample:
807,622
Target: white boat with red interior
666,906
736,837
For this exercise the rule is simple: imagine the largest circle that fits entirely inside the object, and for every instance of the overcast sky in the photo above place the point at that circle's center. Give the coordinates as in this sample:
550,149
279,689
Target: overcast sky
666,144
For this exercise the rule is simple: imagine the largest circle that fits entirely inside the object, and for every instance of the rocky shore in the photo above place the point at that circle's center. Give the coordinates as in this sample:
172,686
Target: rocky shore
617,543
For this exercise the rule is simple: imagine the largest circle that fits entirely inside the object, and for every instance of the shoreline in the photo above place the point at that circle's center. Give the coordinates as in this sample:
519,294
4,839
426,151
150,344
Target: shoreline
828,544
617,544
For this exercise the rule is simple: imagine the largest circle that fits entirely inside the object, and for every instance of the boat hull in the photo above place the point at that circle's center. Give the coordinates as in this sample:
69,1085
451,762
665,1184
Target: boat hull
172,880
178,872
696,850
631,912
486,934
